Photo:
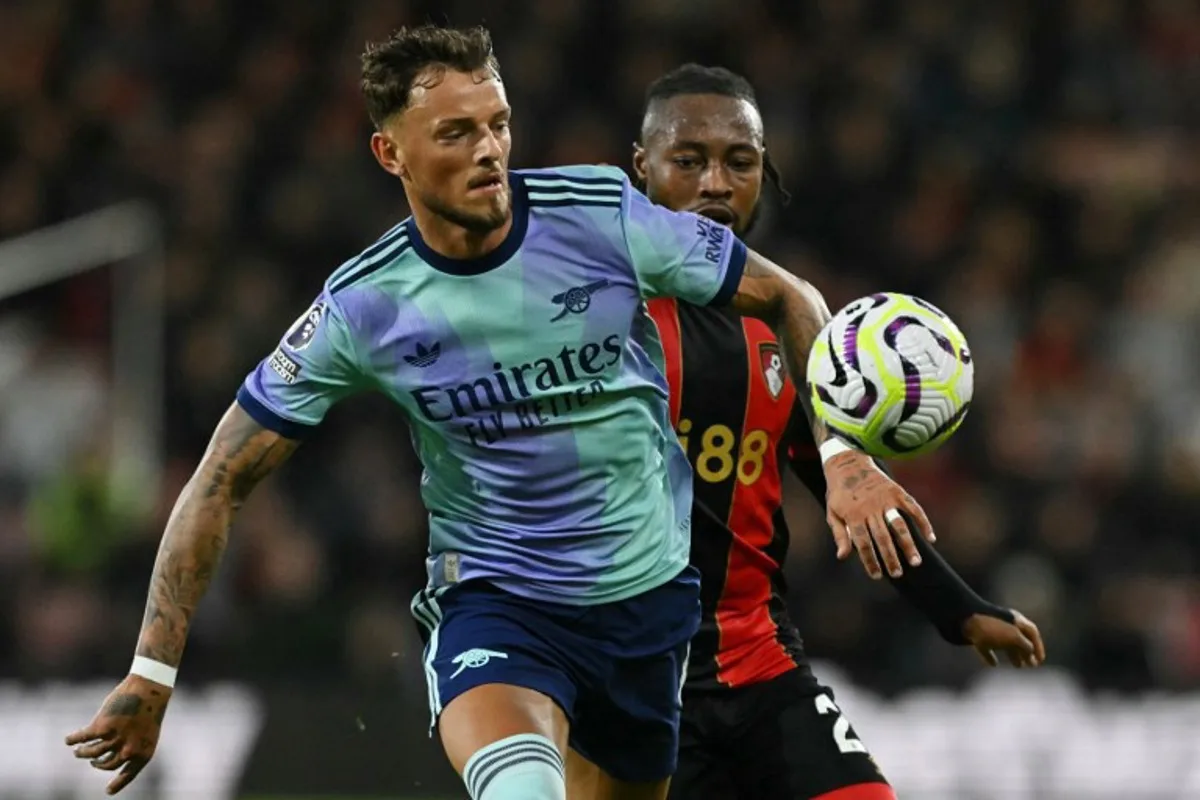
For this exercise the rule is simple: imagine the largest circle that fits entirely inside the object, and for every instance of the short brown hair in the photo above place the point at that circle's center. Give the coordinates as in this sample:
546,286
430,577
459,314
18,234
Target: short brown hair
391,67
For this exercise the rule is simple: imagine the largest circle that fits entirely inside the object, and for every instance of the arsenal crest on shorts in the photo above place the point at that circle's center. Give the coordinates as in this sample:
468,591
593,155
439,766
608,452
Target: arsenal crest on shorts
770,357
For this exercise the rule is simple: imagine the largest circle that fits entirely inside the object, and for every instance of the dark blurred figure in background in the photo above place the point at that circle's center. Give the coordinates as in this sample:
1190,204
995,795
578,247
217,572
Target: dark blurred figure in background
1031,168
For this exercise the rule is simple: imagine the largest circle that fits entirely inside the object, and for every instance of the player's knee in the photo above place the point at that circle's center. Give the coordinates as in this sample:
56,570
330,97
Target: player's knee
522,767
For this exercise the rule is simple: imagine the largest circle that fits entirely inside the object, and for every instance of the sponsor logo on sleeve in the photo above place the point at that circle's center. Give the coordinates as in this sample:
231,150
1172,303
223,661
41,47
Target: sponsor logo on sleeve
713,235
284,367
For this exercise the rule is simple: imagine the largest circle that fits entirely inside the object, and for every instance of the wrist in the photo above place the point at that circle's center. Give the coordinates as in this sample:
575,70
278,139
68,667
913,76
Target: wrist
832,448
837,452
154,671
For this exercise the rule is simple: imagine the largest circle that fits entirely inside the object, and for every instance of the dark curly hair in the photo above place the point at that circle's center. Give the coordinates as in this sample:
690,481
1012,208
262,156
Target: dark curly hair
391,68
696,79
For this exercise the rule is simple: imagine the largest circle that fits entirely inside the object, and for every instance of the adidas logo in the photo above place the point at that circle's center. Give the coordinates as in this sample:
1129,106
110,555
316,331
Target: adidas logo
425,357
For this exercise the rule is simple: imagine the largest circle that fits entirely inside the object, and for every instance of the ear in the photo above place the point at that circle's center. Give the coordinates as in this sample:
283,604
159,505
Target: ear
639,162
389,154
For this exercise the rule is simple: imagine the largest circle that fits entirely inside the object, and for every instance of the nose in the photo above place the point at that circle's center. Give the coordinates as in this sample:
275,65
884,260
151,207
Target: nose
714,182
489,150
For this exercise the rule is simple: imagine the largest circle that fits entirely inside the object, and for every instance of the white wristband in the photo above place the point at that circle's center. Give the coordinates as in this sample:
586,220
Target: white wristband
155,671
832,447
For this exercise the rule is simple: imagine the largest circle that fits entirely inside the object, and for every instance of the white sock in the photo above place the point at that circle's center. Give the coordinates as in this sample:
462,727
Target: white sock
522,767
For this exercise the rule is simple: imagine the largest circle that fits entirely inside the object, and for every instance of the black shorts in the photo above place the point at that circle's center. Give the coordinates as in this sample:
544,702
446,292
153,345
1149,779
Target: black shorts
783,739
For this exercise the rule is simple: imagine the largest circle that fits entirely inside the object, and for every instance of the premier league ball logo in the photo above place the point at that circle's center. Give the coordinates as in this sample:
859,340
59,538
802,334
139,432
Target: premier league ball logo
301,334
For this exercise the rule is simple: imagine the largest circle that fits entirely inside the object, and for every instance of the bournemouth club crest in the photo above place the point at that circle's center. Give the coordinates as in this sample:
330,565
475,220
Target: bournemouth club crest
770,358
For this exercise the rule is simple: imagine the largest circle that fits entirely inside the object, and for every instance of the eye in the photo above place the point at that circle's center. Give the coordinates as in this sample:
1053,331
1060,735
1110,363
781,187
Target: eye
686,162
743,165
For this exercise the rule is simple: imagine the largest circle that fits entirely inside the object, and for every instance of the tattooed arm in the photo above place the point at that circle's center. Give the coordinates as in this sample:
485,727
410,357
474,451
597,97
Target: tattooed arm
796,312
124,734
859,494
240,455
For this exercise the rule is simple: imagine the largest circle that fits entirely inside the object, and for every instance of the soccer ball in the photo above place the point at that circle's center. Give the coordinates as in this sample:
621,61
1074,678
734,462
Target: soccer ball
892,375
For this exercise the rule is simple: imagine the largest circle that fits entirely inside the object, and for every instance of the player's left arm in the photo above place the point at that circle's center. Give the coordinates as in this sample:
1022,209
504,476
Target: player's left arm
960,615
864,506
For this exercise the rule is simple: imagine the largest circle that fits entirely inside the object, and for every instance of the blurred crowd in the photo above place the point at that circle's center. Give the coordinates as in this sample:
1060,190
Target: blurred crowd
1031,167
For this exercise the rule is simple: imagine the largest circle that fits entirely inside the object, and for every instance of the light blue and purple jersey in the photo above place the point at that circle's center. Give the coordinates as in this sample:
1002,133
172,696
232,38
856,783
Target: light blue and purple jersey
532,379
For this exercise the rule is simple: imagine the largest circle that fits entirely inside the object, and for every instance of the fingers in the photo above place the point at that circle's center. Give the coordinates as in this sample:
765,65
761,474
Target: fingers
841,536
924,526
95,748
1031,632
882,536
895,520
987,656
861,537
127,774
89,734
113,759
1020,649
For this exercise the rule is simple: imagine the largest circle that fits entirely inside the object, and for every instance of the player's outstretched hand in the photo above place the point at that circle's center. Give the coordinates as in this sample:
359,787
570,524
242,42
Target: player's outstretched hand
124,734
864,507
1019,639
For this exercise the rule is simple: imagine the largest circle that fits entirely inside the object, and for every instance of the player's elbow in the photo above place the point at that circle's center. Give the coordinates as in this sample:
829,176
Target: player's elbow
778,297
240,455
801,296
772,294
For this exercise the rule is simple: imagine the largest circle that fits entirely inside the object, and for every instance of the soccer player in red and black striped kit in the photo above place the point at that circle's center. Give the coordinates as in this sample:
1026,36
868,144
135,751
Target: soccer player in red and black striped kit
756,722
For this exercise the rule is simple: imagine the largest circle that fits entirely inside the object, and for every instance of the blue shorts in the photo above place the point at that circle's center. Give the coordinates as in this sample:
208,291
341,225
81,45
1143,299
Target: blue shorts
616,669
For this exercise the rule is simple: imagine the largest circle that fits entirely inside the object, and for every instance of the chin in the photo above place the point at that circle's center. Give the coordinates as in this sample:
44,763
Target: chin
493,216
497,211
478,217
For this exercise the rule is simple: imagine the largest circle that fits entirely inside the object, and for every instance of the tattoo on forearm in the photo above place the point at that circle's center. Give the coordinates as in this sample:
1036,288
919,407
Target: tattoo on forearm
796,313
241,455
801,323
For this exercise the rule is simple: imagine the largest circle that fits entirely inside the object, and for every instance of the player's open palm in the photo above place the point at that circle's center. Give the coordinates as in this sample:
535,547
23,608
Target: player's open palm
124,734
866,510
1020,640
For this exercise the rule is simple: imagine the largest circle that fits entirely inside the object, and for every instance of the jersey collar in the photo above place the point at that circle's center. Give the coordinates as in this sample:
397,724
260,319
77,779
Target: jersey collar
488,261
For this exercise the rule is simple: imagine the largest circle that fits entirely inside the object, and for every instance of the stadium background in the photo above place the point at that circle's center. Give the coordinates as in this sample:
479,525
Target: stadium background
1032,167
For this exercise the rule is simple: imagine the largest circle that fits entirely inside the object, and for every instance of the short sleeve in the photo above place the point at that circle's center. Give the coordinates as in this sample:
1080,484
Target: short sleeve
313,367
680,254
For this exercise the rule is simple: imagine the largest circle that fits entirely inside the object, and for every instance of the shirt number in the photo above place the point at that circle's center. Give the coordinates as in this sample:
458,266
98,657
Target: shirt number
845,740
715,462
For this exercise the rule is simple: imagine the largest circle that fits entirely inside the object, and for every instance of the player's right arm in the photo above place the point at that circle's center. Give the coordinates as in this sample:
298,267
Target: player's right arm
240,454
287,395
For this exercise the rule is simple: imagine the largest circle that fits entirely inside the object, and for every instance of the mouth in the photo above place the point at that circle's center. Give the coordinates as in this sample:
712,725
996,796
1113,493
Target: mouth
486,185
718,213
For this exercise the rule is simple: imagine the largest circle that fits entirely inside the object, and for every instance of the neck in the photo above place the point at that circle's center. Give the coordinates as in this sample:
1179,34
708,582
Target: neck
452,240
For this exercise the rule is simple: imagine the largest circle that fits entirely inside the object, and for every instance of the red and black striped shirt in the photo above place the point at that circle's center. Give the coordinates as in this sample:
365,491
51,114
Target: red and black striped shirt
734,409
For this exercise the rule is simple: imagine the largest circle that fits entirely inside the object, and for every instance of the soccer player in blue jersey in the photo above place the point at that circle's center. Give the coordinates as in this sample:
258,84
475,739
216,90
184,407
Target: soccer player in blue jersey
507,319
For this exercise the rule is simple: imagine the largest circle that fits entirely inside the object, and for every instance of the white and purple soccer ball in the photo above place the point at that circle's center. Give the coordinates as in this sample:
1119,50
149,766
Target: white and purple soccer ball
891,374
